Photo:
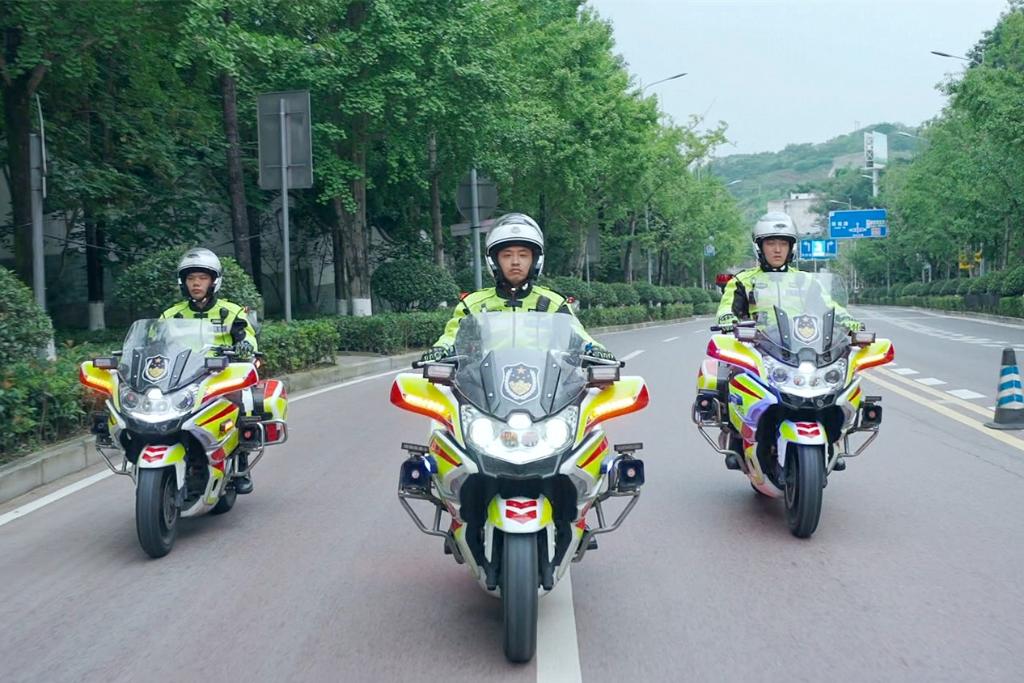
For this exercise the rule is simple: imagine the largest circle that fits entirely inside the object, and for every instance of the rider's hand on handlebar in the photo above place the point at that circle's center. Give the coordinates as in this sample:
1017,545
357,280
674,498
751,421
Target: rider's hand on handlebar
599,353
243,350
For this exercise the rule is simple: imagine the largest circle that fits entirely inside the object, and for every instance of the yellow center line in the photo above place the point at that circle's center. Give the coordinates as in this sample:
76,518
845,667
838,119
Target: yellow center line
947,412
937,393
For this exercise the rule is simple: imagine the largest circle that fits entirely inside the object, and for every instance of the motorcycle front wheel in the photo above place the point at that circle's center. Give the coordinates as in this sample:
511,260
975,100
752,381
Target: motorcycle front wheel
156,510
804,486
519,581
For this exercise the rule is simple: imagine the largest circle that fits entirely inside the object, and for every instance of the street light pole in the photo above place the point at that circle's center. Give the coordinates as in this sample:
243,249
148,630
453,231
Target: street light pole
670,78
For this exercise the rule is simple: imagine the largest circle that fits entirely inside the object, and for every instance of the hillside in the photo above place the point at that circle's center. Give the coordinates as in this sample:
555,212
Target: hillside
801,167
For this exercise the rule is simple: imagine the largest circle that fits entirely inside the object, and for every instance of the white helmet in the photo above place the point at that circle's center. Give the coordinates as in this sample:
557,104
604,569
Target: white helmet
515,229
773,224
200,259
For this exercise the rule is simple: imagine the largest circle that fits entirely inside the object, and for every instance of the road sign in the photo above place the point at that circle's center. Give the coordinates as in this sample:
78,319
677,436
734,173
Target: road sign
858,224
709,250
298,140
487,197
462,229
818,250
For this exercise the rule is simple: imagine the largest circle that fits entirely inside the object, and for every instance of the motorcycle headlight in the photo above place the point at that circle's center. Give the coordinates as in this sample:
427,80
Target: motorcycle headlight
806,379
520,440
155,406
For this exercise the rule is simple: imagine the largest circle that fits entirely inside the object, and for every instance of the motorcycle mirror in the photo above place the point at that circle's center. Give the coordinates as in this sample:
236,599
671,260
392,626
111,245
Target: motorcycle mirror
863,338
105,363
217,362
603,374
746,334
439,373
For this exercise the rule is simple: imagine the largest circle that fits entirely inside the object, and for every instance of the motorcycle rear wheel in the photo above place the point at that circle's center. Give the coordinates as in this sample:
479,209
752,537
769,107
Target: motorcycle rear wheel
519,581
156,510
804,487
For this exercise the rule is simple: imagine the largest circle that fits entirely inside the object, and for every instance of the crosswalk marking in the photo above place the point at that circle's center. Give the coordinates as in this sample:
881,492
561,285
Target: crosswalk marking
965,393
930,381
904,371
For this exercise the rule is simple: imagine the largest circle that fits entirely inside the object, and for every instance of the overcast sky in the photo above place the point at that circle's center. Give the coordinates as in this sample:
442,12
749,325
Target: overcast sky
784,71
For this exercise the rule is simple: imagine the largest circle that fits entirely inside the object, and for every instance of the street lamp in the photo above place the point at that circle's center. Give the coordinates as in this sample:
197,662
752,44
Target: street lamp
946,54
848,204
734,182
670,78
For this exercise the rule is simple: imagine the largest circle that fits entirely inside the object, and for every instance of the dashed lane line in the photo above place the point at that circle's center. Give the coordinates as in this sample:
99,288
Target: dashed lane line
670,339
632,355
558,649
938,394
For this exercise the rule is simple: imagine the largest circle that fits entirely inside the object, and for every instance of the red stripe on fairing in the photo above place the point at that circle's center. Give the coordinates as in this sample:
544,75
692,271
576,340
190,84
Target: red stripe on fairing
854,395
602,448
744,389
438,451
272,388
521,504
521,517
216,417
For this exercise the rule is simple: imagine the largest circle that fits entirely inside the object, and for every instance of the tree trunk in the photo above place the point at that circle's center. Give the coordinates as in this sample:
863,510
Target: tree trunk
236,181
627,258
340,297
94,239
435,200
17,96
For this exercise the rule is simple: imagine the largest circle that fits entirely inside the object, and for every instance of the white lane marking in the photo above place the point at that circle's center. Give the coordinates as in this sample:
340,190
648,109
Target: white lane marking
631,356
558,650
965,393
930,381
905,371
670,339
100,476
702,332
53,497
993,346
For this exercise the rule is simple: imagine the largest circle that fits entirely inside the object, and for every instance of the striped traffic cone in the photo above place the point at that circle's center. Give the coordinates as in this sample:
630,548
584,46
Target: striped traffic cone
1010,404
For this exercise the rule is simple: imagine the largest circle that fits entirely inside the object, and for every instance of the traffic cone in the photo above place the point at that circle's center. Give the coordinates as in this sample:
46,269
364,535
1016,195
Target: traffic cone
1010,403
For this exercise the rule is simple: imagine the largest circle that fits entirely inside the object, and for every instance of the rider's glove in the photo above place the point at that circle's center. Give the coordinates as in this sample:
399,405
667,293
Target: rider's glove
852,325
243,350
727,321
435,354
598,352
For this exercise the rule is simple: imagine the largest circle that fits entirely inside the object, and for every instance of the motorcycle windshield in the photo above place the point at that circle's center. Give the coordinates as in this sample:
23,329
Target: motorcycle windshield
165,354
520,361
800,316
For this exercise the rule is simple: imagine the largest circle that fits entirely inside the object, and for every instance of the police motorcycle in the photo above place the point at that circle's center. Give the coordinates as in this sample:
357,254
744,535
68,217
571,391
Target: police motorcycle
179,409
784,390
517,458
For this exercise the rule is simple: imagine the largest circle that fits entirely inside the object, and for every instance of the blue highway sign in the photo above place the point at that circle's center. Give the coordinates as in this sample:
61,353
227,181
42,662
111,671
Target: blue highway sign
858,224
817,250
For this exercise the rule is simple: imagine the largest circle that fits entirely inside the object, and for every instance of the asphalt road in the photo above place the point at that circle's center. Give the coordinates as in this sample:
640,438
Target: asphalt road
914,572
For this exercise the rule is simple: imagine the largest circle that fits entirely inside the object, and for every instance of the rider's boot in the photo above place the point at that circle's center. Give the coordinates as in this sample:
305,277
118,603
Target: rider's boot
242,482
840,465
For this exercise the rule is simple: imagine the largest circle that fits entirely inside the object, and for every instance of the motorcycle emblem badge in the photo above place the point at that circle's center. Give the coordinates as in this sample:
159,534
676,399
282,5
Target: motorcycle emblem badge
806,328
520,383
156,368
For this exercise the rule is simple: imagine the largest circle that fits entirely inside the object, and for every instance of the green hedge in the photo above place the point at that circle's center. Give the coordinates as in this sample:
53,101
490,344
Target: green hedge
24,326
414,283
294,346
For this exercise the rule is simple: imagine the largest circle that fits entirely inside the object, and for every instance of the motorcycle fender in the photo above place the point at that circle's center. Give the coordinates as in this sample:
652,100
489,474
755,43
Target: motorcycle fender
156,456
806,433
518,515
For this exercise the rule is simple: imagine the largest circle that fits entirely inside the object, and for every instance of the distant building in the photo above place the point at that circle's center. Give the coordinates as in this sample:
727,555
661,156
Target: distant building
799,207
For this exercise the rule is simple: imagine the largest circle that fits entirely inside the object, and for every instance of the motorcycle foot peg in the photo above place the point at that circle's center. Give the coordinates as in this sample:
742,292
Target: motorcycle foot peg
592,543
414,477
629,474
732,462
840,465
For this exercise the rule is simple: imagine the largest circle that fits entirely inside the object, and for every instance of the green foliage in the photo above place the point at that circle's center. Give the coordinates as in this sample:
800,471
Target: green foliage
1012,306
569,286
301,344
681,295
625,295
913,289
1013,282
24,327
602,294
414,283
150,286
699,296
391,332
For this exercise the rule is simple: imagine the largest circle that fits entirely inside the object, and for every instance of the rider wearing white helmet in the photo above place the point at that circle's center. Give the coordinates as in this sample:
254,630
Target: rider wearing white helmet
200,276
515,256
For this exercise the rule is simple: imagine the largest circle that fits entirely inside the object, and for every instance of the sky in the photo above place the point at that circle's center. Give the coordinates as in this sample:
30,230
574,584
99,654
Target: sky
791,71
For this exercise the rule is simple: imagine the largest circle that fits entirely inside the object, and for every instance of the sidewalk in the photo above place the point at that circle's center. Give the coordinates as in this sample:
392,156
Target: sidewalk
59,460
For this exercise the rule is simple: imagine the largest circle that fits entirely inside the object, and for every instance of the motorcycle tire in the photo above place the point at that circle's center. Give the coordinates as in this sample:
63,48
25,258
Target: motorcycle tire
804,487
519,581
156,510
225,503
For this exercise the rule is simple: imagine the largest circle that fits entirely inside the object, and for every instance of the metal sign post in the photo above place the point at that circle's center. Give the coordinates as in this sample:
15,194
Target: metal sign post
476,199
286,159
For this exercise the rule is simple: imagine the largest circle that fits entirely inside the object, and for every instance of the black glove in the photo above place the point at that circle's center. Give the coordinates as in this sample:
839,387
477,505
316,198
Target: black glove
435,354
600,353
243,350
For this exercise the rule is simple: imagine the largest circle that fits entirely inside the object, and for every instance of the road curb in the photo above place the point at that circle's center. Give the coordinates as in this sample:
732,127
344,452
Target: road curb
59,460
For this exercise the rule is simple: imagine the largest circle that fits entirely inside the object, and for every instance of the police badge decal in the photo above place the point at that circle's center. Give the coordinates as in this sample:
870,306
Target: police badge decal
519,383
806,328
156,368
